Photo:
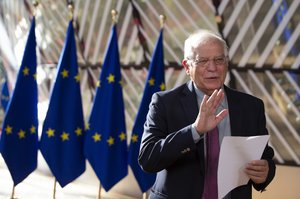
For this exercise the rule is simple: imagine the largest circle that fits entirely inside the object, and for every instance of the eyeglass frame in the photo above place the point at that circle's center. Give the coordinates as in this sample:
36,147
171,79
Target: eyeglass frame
205,61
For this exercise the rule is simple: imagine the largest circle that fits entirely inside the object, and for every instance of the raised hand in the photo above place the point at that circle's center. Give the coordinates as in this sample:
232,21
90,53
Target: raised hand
207,118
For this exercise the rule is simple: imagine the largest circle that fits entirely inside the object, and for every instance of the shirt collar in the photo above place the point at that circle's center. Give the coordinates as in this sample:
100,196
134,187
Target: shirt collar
200,96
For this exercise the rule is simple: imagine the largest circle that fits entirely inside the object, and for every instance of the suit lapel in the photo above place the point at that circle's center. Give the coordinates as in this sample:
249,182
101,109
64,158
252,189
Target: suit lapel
189,103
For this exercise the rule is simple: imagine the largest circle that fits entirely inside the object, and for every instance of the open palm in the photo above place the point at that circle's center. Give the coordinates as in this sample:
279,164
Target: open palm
207,118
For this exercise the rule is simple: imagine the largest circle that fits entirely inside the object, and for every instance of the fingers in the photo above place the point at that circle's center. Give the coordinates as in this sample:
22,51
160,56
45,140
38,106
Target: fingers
257,170
207,118
214,100
219,98
221,115
204,103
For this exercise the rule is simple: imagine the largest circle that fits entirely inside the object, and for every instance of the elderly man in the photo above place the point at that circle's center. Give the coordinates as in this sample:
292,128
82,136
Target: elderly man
185,127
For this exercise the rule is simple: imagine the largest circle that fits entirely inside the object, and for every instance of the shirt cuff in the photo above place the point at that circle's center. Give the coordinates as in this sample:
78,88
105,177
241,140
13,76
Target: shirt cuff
196,136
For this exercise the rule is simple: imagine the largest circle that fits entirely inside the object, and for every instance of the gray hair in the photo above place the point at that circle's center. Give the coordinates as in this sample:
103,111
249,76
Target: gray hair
200,37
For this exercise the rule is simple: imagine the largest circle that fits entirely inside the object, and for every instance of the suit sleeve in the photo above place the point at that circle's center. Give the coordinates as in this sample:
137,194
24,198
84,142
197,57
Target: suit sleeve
268,153
159,147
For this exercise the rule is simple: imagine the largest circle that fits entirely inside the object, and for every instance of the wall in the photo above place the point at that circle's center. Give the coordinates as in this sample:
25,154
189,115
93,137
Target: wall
285,185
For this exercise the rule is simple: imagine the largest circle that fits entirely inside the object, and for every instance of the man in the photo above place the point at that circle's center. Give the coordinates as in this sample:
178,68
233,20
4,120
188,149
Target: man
179,122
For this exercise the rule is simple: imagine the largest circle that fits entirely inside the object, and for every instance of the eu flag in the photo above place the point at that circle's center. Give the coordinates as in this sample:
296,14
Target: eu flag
62,137
105,141
19,139
155,82
4,96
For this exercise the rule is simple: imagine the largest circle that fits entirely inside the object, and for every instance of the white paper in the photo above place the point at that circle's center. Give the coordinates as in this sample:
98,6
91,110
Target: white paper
235,153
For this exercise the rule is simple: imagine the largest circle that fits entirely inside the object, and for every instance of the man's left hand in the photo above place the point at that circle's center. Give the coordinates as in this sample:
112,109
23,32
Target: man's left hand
257,170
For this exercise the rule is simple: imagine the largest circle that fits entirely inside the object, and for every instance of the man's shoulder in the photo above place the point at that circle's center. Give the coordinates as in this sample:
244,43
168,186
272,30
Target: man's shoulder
174,91
230,92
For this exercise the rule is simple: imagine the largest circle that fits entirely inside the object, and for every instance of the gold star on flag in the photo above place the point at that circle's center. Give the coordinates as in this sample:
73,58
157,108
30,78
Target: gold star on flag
162,86
50,132
77,77
64,136
21,134
65,73
8,130
121,83
87,126
78,131
151,81
96,137
34,76
98,83
110,141
122,136
25,71
32,129
134,138
111,78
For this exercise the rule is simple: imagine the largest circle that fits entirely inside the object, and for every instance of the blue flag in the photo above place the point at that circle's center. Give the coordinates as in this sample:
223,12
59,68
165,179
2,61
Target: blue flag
62,138
287,32
155,82
105,141
4,96
19,138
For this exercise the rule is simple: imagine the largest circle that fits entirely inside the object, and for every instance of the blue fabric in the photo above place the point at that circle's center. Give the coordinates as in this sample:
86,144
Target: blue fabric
4,96
287,32
105,141
62,137
19,138
155,82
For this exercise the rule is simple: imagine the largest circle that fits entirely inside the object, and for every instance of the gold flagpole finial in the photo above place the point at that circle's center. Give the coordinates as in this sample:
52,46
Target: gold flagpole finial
114,15
35,4
70,8
163,19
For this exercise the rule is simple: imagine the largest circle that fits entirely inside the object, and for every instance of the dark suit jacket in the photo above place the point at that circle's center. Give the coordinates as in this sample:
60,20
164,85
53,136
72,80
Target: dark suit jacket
168,147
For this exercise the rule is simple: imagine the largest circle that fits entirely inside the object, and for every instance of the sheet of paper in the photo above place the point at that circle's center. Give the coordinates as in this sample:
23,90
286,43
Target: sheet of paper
235,153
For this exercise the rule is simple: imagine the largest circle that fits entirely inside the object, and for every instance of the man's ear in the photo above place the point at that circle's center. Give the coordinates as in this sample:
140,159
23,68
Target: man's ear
186,66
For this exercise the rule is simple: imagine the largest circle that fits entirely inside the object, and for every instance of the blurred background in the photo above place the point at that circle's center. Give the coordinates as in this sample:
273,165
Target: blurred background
263,39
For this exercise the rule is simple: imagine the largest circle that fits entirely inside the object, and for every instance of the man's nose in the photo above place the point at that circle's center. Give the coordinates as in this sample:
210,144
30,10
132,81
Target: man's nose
211,65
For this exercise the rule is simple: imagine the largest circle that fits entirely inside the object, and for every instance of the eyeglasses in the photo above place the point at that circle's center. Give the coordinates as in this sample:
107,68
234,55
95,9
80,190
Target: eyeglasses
221,60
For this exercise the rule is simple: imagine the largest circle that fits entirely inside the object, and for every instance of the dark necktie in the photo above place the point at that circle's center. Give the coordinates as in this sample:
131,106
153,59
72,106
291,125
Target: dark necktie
212,158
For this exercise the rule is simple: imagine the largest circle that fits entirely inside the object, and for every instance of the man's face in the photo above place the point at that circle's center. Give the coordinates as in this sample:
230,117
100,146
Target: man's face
208,68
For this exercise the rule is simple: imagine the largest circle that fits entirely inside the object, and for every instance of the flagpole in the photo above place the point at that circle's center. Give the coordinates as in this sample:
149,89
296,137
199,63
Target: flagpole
114,16
54,188
12,196
12,192
70,13
162,20
145,195
35,4
99,191
71,9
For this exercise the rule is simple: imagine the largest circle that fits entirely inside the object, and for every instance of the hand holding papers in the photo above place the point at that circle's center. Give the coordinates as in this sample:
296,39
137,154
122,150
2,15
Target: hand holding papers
235,153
